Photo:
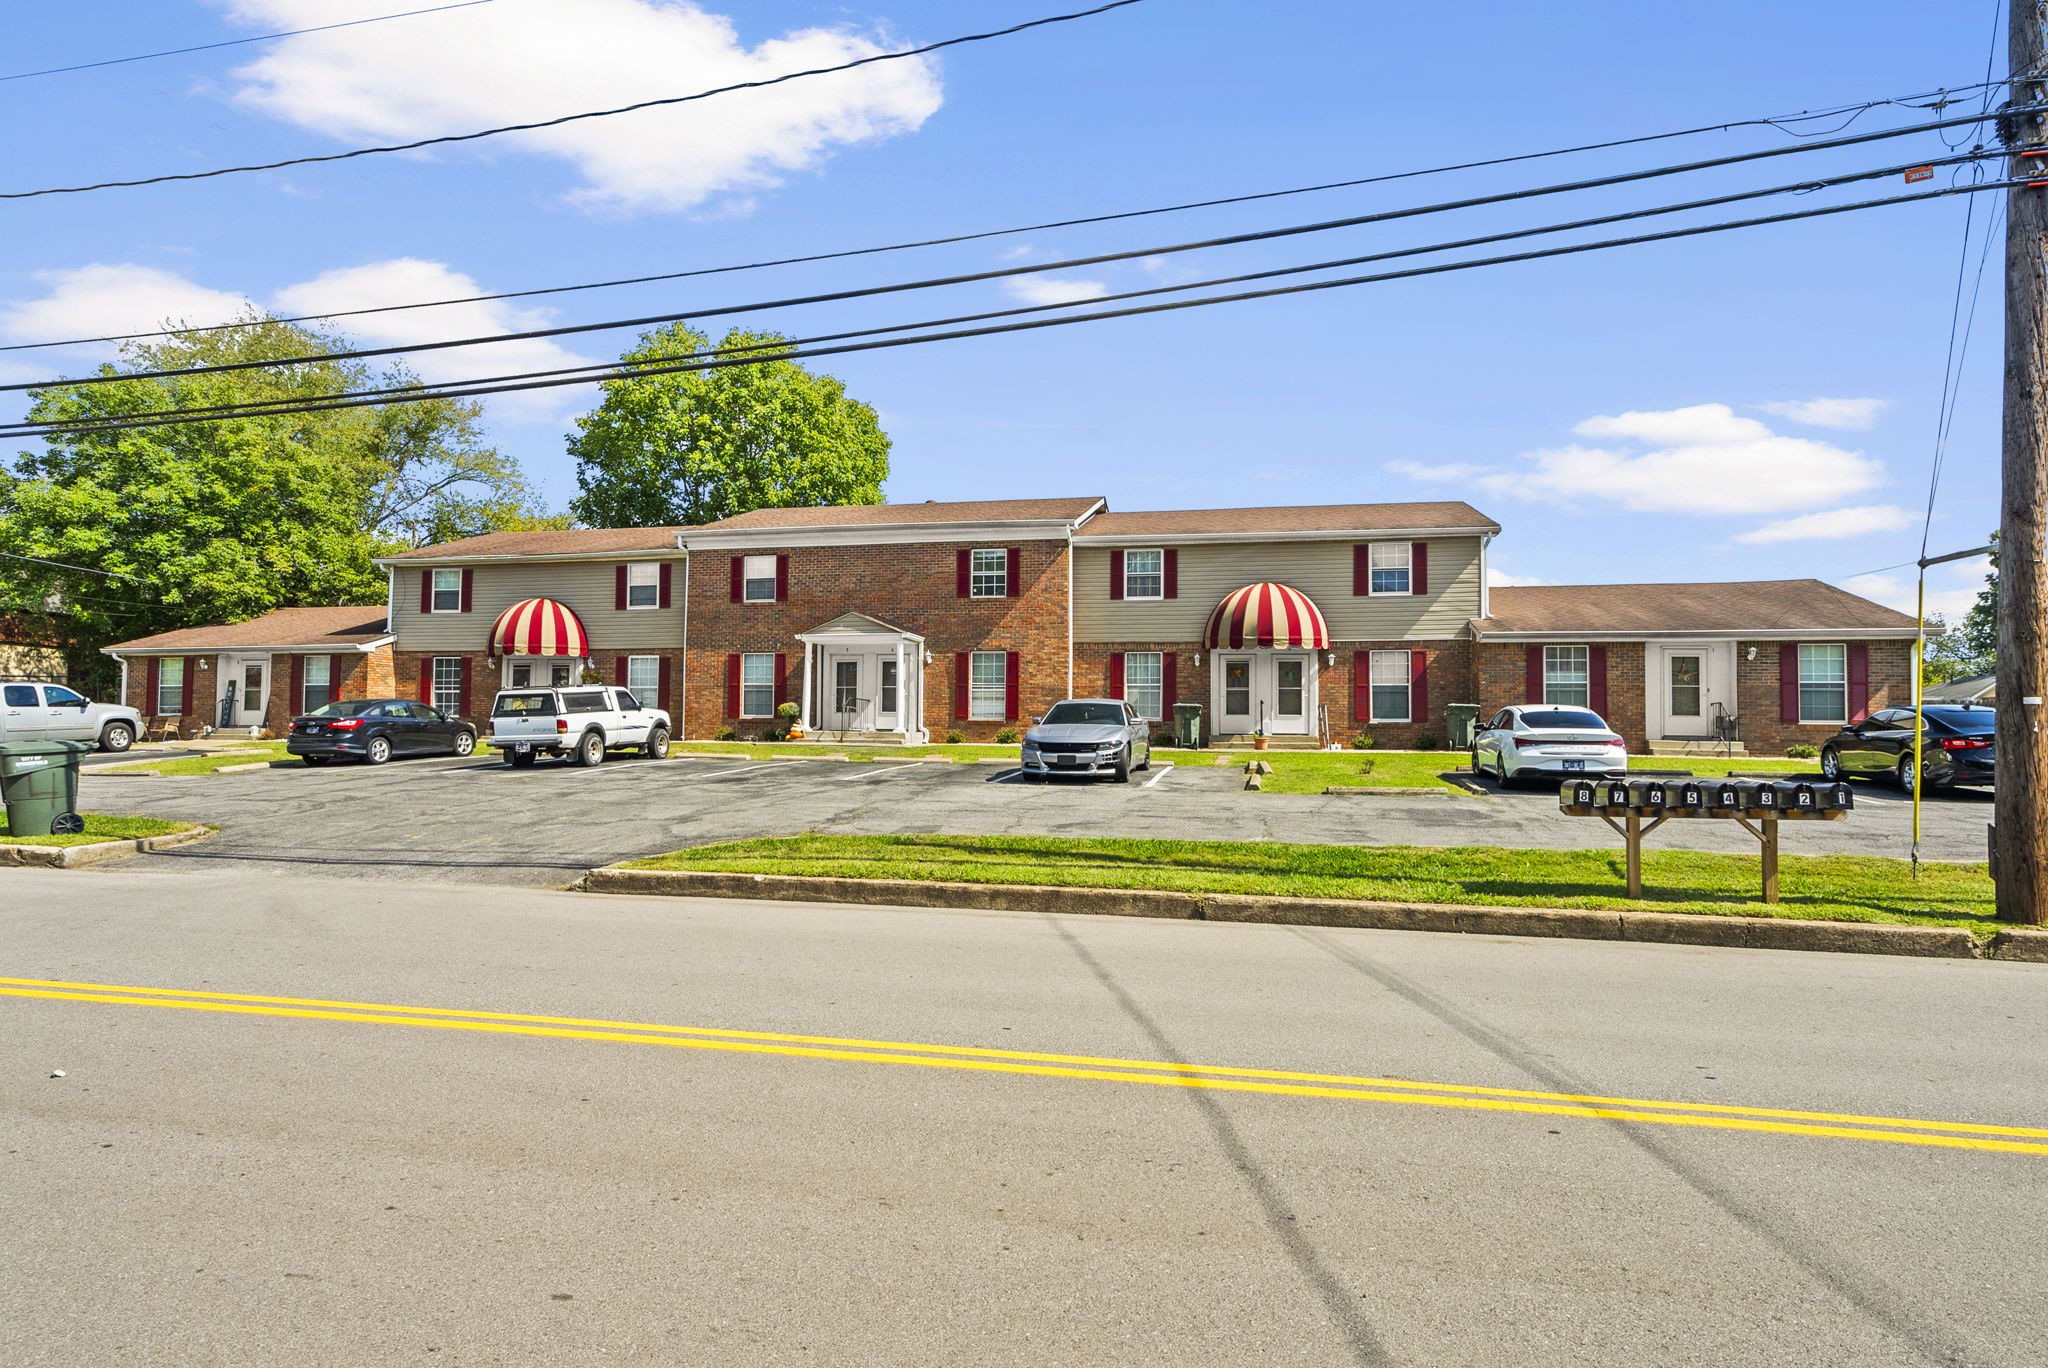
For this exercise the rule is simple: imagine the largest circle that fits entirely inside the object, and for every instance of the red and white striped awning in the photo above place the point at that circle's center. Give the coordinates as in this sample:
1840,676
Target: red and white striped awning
1267,615
539,627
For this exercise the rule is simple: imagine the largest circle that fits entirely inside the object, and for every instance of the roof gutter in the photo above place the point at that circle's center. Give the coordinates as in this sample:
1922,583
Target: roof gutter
427,562
1307,534
315,648
1566,634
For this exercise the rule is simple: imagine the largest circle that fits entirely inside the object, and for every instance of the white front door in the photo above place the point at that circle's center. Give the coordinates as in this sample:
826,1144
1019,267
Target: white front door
1685,682
849,704
1273,691
248,677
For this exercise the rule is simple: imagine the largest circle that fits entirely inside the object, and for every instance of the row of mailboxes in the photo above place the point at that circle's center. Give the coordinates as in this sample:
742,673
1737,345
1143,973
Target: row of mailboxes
1695,795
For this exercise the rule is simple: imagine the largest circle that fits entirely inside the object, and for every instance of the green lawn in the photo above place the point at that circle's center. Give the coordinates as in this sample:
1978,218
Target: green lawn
99,827
1822,887
272,753
791,750
1314,771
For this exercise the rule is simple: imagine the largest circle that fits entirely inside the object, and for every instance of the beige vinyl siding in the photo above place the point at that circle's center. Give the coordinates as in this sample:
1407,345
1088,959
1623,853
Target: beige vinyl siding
1322,570
587,588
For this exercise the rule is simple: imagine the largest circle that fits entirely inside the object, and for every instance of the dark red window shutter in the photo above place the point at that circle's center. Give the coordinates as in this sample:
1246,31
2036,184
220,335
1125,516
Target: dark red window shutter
1361,570
1172,559
667,582
468,583
1788,681
153,678
295,703
462,697
1859,680
1361,686
781,578
962,668
191,699
1418,686
1116,574
781,678
1015,579
427,680
1596,679
1010,679
663,684
1418,567
334,673
1116,674
739,579
1169,680
426,591
732,685
1535,674
963,573
619,672
619,589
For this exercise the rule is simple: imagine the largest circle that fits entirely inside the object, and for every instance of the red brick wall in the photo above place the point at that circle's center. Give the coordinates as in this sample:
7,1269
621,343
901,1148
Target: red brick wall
201,707
1449,681
1757,705
909,587
1191,681
486,671
1503,671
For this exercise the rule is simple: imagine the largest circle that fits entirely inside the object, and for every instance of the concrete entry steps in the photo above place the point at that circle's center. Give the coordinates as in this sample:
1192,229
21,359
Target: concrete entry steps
1278,743
1698,748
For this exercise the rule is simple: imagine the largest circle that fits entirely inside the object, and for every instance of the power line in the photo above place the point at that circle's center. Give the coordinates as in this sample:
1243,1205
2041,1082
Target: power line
557,122
1952,365
237,42
1028,268
1776,121
798,351
626,369
62,565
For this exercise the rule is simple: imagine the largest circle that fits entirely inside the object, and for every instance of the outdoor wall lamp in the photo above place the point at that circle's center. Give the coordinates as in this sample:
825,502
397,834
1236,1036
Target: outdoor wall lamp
1752,653
1198,660
1330,658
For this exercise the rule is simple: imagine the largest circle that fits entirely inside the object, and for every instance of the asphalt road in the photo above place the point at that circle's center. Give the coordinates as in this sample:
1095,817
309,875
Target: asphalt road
477,820
232,1182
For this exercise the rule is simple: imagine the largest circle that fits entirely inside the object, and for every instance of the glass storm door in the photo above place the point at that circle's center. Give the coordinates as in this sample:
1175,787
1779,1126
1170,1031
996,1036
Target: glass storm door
1288,714
1235,674
845,694
1687,684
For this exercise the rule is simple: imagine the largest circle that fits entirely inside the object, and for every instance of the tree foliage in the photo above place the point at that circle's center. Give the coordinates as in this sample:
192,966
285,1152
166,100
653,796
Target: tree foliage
1969,647
697,446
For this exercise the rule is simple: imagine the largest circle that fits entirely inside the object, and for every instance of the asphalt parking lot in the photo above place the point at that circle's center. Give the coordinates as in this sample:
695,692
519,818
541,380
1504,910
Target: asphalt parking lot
477,820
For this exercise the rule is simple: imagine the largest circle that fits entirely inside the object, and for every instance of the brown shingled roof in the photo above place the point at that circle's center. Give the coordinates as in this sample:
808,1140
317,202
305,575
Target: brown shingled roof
893,515
1310,518
1761,606
596,541
348,626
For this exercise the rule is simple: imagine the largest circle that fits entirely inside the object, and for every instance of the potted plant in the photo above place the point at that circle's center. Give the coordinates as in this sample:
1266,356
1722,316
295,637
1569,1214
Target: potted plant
790,727
1259,739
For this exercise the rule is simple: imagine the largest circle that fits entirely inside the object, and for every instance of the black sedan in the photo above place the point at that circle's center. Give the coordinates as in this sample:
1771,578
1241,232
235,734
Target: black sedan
1959,748
375,729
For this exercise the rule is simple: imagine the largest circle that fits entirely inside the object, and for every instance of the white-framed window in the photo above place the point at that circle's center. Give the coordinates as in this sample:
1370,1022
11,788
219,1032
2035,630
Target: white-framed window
1144,576
1391,679
988,576
1567,676
316,686
888,707
448,591
643,676
988,683
643,584
757,576
1390,567
1824,683
448,684
1145,682
757,683
170,687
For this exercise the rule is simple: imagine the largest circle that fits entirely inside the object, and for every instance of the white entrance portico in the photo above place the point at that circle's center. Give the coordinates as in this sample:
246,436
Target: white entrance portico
1263,641
862,675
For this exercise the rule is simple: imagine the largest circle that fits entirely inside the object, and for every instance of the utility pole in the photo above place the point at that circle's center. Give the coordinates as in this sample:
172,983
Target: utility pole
2021,852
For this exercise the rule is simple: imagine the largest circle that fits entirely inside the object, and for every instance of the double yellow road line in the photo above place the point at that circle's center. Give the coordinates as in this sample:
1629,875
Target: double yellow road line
1890,1130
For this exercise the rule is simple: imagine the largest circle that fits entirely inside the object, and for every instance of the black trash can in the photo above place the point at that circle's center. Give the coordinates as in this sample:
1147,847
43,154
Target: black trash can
39,786
1187,725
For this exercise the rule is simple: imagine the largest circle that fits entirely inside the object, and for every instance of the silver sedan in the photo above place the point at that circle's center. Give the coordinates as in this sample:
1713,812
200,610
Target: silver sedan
1088,736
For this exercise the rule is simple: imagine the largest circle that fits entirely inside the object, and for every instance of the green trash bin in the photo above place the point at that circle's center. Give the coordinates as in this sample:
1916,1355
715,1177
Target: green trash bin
39,785
1460,719
1187,725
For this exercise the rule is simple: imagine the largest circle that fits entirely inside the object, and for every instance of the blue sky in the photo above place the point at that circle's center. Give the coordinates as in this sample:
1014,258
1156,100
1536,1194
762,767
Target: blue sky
1648,413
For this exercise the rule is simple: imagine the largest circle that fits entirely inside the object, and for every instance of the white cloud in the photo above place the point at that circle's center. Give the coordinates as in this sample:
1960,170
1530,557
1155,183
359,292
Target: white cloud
1449,473
1833,525
1055,289
1701,459
105,299
1501,579
1951,589
1854,414
476,68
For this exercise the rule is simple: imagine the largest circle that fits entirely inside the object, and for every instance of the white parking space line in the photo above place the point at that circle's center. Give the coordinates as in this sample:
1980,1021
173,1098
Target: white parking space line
749,769
887,770
1164,770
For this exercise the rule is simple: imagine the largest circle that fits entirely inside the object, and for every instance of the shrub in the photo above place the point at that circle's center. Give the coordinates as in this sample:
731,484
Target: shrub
956,738
727,734
1006,737
1165,740
771,735
1362,742
787,711
1365,766
1802,751
1426,741
593,675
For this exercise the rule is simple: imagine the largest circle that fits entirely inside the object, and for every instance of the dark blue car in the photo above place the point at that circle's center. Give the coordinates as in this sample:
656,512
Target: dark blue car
1960,747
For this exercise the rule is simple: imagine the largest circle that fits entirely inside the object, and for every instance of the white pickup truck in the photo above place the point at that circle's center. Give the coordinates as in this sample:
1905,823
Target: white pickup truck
581,722
51,712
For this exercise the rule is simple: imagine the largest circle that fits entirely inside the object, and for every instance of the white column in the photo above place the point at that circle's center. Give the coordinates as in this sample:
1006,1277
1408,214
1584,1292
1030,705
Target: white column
806,716
902,726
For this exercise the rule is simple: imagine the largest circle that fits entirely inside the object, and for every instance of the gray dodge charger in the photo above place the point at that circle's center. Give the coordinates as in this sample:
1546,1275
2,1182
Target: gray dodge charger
1088,736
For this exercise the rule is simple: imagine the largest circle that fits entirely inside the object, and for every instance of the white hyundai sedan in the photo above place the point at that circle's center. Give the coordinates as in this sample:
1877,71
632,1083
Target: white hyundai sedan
1548,741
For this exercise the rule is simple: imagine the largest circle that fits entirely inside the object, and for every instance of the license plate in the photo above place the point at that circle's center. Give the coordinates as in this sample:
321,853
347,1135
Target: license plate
1574,765
1066,759
523,747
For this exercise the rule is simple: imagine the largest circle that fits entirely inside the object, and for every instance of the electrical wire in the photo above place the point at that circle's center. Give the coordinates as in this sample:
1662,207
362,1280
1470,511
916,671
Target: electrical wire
624,369
1774,122
1952,365
236,42
557,122
1007,272
61,565
801,350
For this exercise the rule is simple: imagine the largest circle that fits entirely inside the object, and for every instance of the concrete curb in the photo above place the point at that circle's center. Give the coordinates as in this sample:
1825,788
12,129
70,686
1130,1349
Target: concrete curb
1390,791
73,857
1663,928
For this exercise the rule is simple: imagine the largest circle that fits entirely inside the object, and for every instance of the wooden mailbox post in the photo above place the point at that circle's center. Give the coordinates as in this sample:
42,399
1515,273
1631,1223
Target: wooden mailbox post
1637,807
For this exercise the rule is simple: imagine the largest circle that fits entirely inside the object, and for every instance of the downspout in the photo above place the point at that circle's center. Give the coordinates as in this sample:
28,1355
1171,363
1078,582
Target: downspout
1070,613
1485,589
683,696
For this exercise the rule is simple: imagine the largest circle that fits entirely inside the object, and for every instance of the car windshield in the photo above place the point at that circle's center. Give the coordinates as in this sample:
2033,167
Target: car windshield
1563,719
341,707
1071,714
1962,719
524,705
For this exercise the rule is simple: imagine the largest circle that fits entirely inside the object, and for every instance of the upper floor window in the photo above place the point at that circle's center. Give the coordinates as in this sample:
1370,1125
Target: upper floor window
643,584
1567,677
448,591
1391,565
989,575
1144,574
1823,683
758,580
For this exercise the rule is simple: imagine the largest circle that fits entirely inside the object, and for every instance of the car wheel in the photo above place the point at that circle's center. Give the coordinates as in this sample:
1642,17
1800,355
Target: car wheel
657,744
589,751
315,760
465,742
1122,773
378,751
1830,764
1904,775
519,759
117,737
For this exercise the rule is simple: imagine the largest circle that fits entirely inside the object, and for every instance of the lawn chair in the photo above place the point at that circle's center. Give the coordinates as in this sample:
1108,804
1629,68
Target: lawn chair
164,729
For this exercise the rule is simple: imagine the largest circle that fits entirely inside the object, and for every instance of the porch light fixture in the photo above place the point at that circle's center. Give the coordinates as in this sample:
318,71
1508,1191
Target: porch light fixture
1198,660
1329,658
1752,653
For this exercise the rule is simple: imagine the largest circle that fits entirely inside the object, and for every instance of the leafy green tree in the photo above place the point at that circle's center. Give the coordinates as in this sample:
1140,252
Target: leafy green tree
696,446
1970,647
